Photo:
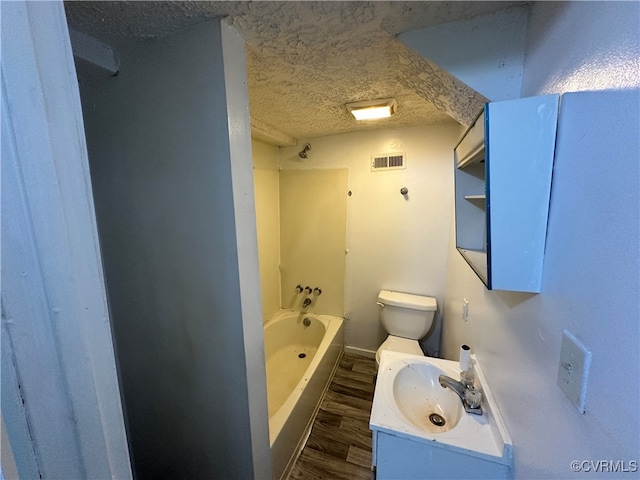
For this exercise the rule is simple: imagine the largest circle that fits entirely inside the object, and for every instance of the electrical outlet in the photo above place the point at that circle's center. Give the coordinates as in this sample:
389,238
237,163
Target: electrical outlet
573,371
465,310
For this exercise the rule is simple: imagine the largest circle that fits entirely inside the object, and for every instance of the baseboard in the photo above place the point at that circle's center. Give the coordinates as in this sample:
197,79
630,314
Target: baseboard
360,351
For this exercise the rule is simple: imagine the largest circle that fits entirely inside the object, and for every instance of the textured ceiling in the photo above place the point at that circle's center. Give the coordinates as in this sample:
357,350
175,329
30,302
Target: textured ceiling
307,59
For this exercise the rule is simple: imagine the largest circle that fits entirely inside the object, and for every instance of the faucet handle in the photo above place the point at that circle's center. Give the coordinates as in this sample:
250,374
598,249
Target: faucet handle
472,398
317,291
467,378
299,288
307,290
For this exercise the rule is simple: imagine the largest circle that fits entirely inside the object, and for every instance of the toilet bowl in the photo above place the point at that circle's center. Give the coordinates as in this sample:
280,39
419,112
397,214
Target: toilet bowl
406,318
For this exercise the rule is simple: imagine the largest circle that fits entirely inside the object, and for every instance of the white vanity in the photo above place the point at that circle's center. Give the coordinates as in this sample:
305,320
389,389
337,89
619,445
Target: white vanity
421,430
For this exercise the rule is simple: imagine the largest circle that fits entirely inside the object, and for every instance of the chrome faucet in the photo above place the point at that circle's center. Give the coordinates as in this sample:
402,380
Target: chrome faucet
469,396
306,303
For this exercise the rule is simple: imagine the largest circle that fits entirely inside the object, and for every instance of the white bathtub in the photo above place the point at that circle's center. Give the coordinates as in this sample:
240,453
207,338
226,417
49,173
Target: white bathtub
299,362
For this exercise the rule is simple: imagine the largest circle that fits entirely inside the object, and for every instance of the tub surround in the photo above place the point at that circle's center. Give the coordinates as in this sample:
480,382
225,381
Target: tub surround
313,222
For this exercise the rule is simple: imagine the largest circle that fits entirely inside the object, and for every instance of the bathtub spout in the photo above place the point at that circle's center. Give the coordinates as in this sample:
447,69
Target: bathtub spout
306,303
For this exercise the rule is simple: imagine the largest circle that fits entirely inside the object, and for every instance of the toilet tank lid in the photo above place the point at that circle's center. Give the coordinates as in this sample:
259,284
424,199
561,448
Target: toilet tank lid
407,300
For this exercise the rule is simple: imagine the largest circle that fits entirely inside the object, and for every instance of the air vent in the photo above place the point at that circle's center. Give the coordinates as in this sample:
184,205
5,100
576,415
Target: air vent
388,161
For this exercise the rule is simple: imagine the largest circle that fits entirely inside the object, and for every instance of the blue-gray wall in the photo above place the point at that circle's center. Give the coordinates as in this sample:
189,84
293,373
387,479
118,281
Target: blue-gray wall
160,153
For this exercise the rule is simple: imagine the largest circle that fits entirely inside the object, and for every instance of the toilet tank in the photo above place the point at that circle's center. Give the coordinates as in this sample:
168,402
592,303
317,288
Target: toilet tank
406,315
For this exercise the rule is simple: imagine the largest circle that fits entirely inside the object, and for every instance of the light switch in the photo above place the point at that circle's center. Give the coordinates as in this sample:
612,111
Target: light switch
573,370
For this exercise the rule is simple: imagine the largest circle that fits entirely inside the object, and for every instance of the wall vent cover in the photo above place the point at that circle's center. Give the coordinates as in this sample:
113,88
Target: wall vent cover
388,161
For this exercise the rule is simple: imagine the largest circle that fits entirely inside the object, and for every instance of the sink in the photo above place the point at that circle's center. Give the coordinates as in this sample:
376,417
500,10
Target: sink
418,396
408,395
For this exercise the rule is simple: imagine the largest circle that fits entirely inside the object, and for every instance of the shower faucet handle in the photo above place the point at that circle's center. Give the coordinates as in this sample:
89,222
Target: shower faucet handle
298,288
307,290
317,291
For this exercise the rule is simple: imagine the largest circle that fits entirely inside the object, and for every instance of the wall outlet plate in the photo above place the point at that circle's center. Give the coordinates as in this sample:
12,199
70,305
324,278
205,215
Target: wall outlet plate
573,370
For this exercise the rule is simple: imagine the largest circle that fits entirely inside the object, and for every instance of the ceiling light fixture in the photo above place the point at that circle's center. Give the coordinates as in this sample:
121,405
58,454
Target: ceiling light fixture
373,109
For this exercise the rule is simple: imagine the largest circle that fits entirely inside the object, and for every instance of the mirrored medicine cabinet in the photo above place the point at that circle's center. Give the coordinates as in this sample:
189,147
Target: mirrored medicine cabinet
503,168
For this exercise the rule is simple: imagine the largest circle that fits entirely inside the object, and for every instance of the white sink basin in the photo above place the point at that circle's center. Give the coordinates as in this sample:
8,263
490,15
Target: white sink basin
408,392
418,396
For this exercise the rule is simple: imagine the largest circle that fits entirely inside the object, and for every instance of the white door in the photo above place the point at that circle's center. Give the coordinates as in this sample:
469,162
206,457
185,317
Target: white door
61,404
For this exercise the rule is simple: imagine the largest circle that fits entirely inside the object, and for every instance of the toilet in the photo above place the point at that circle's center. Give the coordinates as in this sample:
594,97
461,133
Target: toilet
406,318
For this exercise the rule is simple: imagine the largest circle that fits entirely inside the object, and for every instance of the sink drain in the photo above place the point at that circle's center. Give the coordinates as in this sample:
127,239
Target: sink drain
302,355
437,420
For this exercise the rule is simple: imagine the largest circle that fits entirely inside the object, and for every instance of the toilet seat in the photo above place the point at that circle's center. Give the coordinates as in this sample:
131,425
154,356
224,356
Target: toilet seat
399,344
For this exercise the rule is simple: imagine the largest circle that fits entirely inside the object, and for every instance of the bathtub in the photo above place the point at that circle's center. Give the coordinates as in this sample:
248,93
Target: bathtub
300,361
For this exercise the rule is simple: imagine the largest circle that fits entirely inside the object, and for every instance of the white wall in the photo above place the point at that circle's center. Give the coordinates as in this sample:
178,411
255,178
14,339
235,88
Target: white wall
577,46
60,394
267,197
172,176
590,284
393,242
485,52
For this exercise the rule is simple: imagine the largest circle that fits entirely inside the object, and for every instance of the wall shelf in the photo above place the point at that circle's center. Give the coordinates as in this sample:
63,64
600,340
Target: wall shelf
479,201
503,184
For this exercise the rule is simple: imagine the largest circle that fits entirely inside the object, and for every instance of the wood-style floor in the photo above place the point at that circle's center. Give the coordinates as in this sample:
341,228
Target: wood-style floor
339,446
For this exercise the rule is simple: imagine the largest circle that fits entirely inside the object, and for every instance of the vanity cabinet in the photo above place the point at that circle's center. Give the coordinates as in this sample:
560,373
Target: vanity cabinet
503,167
395,457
